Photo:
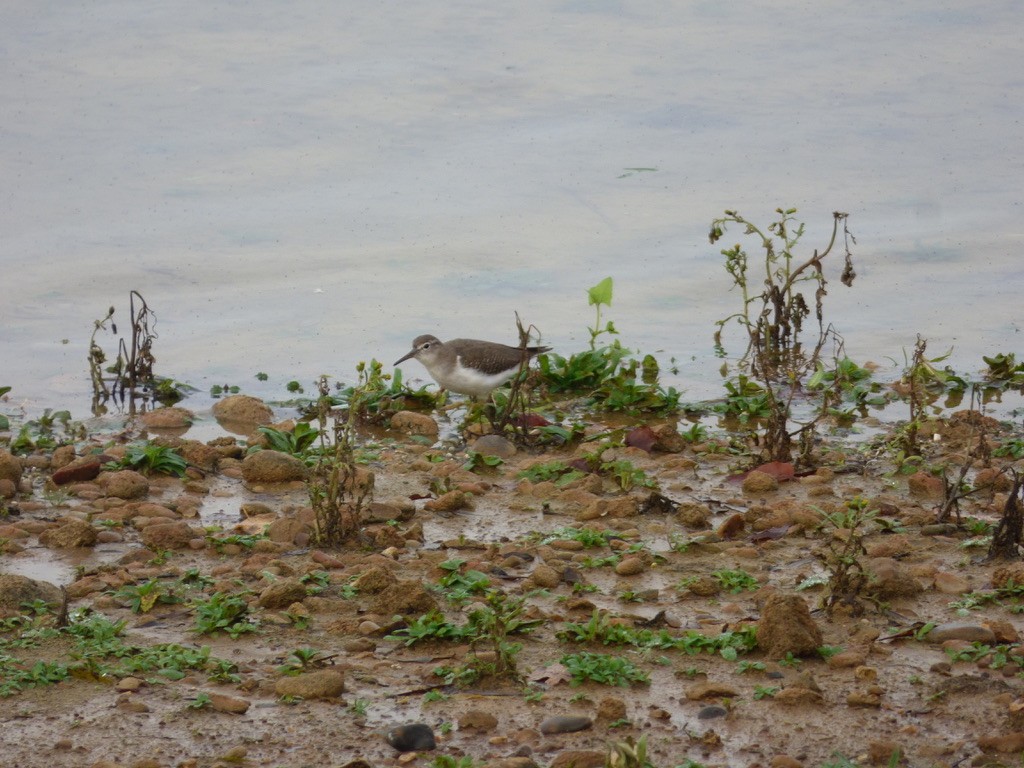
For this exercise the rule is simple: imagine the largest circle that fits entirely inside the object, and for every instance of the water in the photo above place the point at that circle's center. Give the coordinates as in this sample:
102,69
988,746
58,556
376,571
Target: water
297,187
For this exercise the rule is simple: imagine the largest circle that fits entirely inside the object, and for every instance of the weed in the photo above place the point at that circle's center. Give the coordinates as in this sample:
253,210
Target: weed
790,660
201,701
223,612
337,491
556,471
302,660
295,442
736,581
434,695
477,462
602,668
773,323
142,597
828,651
459,587
764,692
750,666
847,578
220,541
316,581
149,459
627,476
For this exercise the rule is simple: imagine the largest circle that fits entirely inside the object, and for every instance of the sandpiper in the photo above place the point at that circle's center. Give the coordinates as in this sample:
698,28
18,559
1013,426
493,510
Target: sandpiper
468,366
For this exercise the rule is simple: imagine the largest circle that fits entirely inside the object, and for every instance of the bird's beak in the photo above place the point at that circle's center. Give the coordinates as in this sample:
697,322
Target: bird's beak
406,357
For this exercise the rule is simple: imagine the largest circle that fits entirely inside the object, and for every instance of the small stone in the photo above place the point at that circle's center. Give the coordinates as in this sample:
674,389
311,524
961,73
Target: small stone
797,696
170,418
611,709
884,752
759,482
129,684
847,659
478,720
241,414
545,577
448,502
711,712
175,535
951,583
321,684
411,738
125,484
15,590
630,566
864,699
494,445
711,689
1004,742
73,533
272,467
785,761
959,630
579,758
254,509
281,594
731,527
78,471
412,423
786,627
231,704
565,724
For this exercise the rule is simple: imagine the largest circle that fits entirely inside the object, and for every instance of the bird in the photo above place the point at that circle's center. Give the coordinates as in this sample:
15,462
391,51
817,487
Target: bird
469,366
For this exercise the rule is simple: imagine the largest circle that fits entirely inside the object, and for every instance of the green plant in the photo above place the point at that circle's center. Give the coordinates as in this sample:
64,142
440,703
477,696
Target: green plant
764,691
223,612
828,651
457,586
148,459
790,660
302,660
736,581
750,666
142,597
201,701
359,707
556,471
434,695
295,442
847,577
316,581
476,462
627,476
602,668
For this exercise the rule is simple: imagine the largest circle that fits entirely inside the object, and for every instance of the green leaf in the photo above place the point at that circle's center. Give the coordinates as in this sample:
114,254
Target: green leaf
601,293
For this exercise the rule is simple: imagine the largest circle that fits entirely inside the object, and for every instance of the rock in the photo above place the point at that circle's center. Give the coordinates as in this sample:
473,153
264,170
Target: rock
565,724
711,712
478,720
869,699
173,535
374,580
611,709
284,530
414,737
845,659
407,598
710,690
1007,576
630,566
78,471
925,485
272,467
73,533
254,509
544,577
321,684
786,626
693,514
731,527
241,414
448,502
951,583
797,696
960,630
890,578
124,484
494,445
703,586
412,423
1004,742
759,482
668,440
233,705
8,489
15,590
579,758
785,761
170,417
281,594
884,753
10,467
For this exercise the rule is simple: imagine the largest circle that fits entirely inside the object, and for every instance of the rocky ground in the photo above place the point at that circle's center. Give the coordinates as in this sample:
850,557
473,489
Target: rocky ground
916,665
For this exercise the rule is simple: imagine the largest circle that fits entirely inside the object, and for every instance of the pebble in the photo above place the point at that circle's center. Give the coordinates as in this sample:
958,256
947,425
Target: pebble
959,630
711,712
411,738
565,724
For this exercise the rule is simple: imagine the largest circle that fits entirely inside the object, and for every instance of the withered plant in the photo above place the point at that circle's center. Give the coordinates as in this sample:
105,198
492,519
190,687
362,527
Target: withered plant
776,357
338,488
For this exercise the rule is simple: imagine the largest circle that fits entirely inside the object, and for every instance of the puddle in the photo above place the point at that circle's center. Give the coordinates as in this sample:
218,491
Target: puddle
59,566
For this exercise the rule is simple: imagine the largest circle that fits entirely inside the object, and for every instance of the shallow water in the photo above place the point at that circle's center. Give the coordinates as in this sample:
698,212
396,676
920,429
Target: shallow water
297,188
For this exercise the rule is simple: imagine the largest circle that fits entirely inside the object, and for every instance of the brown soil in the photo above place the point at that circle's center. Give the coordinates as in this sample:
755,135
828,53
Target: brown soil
885,691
